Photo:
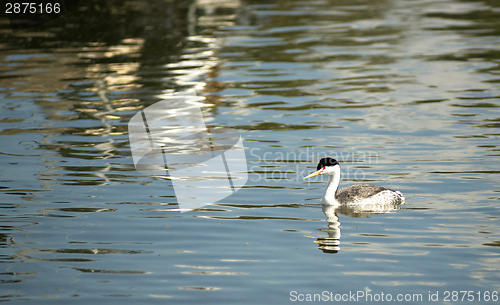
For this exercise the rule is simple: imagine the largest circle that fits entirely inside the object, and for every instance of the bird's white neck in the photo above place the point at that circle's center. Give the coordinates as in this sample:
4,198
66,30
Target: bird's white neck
332,187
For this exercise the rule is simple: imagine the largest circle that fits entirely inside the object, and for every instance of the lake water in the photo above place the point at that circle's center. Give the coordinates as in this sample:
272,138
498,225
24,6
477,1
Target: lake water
405,94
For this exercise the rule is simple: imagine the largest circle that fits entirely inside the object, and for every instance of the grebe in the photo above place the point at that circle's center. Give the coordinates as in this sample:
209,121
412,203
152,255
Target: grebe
362,194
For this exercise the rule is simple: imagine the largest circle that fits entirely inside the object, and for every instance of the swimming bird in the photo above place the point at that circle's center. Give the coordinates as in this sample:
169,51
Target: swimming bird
359,194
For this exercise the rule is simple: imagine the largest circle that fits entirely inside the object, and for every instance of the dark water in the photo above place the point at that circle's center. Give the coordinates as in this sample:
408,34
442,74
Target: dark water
404,94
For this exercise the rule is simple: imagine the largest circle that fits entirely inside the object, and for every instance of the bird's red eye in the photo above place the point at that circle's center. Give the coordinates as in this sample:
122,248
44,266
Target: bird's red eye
324,168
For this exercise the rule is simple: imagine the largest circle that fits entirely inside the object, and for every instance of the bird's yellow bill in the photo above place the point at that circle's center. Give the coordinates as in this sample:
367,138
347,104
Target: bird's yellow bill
314,174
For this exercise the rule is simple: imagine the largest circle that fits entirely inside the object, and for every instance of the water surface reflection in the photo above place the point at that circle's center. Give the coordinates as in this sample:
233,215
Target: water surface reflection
331,244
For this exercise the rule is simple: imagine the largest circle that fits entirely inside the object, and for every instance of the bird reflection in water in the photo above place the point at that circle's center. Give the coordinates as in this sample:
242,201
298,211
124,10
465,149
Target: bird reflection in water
331,243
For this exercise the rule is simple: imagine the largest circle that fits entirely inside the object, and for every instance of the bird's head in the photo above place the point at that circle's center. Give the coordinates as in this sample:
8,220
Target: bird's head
327,166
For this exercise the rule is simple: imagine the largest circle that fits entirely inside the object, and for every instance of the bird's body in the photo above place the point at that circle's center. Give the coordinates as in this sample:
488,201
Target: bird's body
358,194
361,192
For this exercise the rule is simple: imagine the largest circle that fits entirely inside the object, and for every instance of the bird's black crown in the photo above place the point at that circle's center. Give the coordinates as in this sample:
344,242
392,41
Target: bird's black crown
326,162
